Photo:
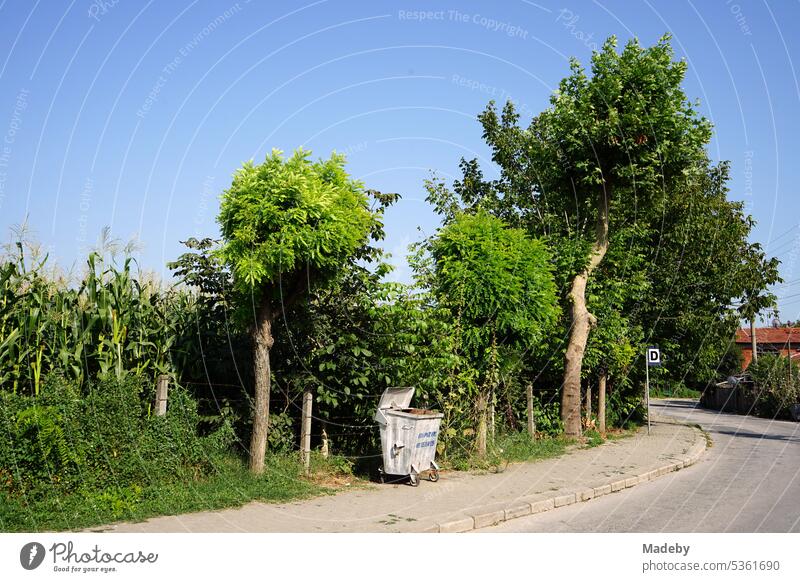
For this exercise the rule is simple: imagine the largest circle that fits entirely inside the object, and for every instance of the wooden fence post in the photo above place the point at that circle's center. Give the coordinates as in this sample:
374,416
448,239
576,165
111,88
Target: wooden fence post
601,403
305,432
491,415
481,444
588,405
531,420
162,388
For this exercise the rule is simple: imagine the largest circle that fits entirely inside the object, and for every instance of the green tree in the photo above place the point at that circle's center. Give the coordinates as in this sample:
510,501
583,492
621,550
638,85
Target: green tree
610,147
498,283
701,264
287,223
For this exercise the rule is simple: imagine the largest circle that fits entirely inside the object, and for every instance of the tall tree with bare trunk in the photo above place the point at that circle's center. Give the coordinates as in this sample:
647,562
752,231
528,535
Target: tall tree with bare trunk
613,145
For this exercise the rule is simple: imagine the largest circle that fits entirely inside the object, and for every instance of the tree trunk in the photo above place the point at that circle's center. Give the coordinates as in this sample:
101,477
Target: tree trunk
262,343
601,403
582,322
753,339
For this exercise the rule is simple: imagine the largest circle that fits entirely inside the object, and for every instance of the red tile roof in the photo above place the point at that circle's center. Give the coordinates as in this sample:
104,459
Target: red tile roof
770,335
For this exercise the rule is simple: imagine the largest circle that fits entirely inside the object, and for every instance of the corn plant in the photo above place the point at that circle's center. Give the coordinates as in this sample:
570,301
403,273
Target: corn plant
109,323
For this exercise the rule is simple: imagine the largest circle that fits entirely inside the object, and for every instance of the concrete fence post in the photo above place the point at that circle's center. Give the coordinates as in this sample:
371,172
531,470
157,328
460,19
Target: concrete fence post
162,388
305,432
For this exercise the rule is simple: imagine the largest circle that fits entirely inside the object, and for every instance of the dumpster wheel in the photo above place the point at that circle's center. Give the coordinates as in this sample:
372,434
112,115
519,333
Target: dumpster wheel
433,475
414,477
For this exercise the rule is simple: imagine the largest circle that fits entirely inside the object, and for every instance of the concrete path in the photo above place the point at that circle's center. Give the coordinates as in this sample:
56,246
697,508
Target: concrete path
460,501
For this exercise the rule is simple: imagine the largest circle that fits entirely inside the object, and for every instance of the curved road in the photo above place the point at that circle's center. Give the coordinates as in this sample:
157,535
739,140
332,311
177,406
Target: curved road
748,481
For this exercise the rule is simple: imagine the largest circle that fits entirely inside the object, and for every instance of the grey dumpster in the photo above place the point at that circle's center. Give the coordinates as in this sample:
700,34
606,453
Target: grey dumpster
408,436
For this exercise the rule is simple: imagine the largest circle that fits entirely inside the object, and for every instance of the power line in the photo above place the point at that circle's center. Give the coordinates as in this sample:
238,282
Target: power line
780,236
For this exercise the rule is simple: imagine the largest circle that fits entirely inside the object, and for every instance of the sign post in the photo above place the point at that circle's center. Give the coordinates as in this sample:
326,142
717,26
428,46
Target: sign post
653,358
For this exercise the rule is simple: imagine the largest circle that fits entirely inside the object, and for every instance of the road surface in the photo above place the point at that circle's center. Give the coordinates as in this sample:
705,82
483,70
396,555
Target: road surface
748,481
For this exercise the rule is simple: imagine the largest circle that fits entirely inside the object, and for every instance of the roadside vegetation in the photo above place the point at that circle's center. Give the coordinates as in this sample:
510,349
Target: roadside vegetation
607,230
775,386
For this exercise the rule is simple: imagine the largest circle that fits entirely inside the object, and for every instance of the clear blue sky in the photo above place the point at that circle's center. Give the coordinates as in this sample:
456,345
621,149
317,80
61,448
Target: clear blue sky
135,114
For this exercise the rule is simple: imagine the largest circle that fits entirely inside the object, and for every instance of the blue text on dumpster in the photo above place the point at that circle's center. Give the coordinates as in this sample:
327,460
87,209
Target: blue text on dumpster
427,443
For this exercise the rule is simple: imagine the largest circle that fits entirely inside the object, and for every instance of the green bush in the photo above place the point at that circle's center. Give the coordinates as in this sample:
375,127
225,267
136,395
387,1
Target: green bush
281,433
625,408
776,385
548,418
105,439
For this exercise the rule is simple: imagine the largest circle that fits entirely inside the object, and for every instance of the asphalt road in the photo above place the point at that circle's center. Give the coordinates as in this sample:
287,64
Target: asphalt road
748,481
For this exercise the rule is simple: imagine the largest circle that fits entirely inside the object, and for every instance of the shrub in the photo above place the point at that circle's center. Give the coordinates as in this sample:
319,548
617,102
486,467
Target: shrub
106,439
776,385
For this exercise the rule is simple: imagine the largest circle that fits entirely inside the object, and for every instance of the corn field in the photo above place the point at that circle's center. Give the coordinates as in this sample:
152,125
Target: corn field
107,322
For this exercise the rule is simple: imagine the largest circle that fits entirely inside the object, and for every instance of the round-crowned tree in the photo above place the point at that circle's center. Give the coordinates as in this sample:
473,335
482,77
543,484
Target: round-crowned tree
287,224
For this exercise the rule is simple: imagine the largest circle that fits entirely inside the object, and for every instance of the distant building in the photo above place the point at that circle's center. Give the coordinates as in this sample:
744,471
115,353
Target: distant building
771,340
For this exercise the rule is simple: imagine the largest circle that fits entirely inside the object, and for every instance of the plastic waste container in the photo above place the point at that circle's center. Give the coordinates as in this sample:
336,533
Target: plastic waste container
408,436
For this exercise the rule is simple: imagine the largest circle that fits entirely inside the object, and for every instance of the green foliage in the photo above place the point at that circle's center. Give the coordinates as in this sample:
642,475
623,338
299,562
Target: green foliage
494,296
117,502
41,426
673,391
625,406
105,439
776,385
624,136
548,418
281,433
230,485
701,263
109,322
511,447
593,439
335,465
496,279
288,215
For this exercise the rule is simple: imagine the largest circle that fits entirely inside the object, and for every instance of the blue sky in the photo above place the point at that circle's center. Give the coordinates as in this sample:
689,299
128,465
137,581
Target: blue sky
134,115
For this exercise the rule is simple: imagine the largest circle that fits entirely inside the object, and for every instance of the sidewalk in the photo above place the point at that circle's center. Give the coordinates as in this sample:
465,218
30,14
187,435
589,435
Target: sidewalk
460,502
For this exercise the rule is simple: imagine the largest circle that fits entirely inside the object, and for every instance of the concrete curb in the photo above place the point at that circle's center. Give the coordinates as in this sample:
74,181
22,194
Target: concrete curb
494,514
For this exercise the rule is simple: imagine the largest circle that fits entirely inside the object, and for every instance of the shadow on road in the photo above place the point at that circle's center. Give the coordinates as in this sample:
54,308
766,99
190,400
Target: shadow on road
682,404
755,435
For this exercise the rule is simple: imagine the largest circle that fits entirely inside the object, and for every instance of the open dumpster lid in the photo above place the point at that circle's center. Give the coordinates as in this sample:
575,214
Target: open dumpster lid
397,397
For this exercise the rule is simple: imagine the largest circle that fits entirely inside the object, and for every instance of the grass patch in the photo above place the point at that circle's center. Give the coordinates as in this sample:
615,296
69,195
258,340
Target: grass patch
511,448
230,486
677,392
592,438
